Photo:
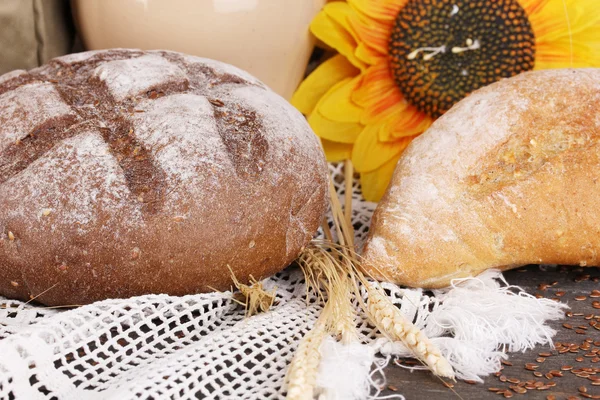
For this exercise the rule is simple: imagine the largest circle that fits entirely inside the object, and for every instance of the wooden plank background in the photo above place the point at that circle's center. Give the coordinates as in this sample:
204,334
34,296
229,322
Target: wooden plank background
571,285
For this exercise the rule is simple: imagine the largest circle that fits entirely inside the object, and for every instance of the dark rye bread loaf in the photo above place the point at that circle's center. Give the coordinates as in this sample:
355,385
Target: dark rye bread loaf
125,172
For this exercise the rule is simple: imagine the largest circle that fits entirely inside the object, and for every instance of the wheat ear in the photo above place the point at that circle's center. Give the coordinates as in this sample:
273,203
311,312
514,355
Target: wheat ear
253,297
302,372
390,321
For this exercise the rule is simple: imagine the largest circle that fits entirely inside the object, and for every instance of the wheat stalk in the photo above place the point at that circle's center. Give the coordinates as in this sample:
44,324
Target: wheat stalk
253,297
333,271
302,372
390,321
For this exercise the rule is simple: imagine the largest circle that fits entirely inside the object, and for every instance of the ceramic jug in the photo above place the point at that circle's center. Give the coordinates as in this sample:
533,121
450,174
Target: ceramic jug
268,38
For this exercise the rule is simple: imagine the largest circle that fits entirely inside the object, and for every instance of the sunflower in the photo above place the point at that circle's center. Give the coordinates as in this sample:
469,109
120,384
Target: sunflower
399,64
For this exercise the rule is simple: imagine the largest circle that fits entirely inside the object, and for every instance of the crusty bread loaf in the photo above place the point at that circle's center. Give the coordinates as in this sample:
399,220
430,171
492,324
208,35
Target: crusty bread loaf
509,176
125,172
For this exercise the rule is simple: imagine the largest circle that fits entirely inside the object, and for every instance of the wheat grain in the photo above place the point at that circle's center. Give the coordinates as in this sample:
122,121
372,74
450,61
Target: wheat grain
302,372
333,271
388,318
253,297
343,313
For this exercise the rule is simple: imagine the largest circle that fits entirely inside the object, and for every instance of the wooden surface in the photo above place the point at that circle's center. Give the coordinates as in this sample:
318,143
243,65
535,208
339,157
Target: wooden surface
574,282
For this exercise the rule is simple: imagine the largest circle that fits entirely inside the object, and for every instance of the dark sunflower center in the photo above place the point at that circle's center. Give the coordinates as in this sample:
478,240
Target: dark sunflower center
441,50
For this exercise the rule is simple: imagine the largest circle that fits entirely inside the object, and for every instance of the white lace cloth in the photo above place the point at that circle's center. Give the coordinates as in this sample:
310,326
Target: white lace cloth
201,346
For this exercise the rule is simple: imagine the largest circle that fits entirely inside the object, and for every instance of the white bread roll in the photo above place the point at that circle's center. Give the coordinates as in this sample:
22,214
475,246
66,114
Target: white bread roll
509,176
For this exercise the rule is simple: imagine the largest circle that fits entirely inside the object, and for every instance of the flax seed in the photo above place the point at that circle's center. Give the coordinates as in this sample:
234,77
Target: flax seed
580,298
216,102
568,326
518,389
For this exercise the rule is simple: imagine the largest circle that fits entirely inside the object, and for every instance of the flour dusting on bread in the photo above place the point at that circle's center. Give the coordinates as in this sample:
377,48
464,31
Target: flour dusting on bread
493,180
179,160
27,107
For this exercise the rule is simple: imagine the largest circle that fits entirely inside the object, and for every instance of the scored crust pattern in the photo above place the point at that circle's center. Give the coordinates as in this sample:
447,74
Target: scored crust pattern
162,142
107,87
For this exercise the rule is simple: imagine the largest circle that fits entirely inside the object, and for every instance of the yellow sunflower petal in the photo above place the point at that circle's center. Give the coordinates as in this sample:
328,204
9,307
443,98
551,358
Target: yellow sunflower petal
335,35
410,122
341,12
558,55
557,20
335,151
532,7
567,32
331,72
378,95
341,132
368,55
336,104
375,183
384,10
373,33
369,153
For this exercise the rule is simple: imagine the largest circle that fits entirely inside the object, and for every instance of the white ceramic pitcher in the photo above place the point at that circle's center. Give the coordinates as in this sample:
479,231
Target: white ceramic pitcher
268,38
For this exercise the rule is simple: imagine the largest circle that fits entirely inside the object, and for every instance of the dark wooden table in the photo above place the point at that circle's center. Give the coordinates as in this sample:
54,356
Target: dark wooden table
570,284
